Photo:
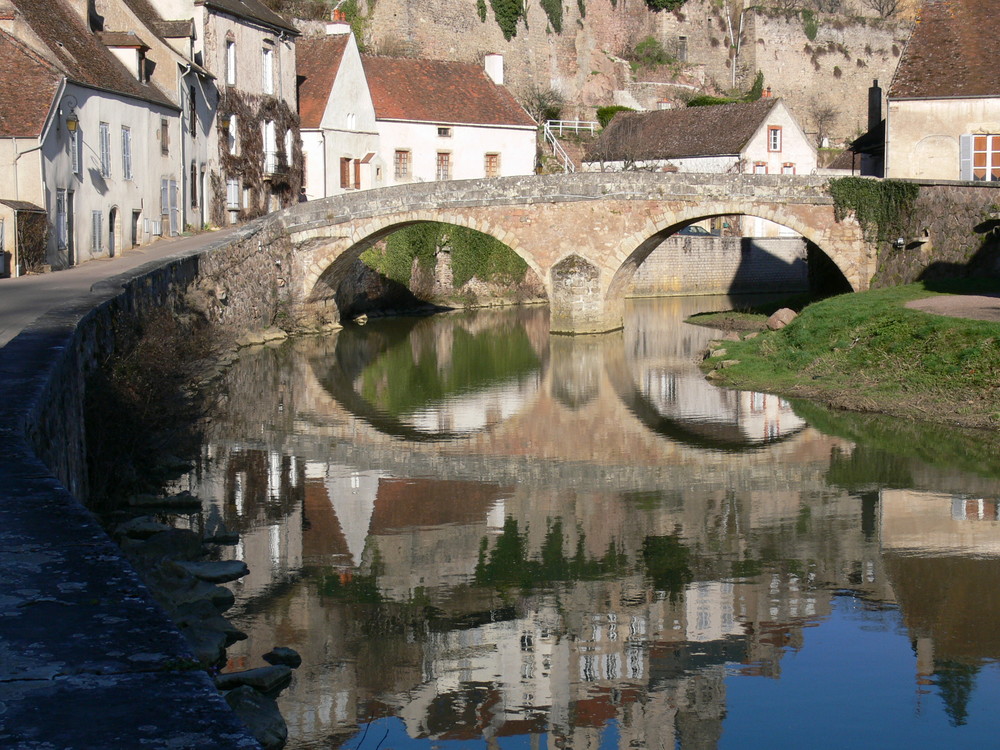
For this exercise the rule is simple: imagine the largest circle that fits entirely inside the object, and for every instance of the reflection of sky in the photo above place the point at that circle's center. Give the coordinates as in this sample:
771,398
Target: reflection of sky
855,673
469,412
391,733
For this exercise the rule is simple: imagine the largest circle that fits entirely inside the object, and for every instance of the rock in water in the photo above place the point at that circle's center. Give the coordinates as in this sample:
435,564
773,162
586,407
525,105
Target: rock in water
264,679
261,716
283,655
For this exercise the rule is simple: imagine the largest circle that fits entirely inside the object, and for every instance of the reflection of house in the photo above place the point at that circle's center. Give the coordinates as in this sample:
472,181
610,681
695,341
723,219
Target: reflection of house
447,120
81,135
759,137
944,102
339,138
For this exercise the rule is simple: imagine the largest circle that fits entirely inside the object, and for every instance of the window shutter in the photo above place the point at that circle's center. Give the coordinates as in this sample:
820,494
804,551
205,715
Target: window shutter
965,157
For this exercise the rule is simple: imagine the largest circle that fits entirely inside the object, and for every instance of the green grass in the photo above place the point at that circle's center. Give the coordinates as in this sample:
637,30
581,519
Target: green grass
868,352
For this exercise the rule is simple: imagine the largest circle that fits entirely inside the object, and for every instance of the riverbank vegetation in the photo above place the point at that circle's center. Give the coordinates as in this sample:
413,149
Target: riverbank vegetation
868,352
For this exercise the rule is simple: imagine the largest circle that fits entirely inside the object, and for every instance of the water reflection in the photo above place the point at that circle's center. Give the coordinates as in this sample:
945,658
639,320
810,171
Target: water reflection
573,570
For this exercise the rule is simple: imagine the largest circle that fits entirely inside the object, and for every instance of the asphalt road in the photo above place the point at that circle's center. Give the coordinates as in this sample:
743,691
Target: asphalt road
23,300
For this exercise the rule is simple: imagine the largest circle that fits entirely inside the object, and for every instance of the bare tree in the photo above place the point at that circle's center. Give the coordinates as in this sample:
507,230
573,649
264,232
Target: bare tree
884,8
824,116
542,103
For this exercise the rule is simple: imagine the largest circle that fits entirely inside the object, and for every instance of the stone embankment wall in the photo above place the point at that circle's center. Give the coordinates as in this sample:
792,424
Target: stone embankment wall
723,265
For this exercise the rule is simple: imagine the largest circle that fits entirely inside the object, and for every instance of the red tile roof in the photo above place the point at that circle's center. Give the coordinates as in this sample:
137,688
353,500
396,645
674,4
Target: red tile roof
439,91
317,61
253,10
953,52
27,87
80,54
722,130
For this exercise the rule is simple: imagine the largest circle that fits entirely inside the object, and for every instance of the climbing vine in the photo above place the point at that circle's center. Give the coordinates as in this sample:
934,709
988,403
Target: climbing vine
481,9
508,13
246,161
882,207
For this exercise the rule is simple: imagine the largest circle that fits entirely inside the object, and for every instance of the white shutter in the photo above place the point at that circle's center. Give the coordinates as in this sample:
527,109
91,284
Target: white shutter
97,236
965,157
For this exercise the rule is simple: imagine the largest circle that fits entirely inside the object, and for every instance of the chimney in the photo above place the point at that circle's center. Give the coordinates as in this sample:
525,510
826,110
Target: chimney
494,68
874,106
766,93
338,24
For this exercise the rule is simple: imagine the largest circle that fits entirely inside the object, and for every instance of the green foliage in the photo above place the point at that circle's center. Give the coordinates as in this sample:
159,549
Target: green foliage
882,207
554,10
706,100
508,564
664,4
507,14
356,20
757,89
810,24
582,5
649,53
481,9
605,114
667,563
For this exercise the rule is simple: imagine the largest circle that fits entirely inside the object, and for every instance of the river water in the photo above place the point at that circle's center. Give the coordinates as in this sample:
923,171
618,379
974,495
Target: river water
478,535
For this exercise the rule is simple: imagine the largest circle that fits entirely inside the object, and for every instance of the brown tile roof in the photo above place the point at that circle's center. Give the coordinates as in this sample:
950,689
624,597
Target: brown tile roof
439,91
952,52
253,10
724,129
80,54
121,39
22,206
317,62
150,18
27,87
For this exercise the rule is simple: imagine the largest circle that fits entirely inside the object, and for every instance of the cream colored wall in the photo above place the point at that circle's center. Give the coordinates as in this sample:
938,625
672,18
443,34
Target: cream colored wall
795,146
21,179
922,139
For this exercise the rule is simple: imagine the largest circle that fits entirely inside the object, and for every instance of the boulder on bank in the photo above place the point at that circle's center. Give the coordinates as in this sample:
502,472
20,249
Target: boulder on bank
781,318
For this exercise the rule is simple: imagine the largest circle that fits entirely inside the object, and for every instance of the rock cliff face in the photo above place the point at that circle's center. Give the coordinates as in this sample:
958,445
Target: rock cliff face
830,59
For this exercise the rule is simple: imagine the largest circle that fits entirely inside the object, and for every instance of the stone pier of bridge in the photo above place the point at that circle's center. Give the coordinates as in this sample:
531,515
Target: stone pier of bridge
583,234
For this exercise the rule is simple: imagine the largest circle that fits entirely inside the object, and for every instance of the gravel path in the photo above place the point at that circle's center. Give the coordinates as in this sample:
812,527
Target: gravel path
978,307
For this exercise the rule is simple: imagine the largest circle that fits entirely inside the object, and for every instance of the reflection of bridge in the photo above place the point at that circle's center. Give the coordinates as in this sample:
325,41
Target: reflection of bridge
583,234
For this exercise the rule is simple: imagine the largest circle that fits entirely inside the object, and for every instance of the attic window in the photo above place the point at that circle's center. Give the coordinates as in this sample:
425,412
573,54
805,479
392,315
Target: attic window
774,138
444,132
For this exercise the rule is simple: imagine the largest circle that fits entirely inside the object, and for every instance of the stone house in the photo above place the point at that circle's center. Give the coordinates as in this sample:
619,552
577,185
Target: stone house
340,140
254,153
760,137
441,120
88,140
943,119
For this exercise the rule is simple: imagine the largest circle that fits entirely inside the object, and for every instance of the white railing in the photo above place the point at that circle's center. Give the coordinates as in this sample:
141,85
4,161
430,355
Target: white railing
554,128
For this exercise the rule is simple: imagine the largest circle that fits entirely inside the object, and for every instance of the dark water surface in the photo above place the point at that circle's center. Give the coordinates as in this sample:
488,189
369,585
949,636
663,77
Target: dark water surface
481,536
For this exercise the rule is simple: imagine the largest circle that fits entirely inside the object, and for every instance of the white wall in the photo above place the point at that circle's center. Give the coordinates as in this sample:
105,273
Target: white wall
795,146
922,135
91,191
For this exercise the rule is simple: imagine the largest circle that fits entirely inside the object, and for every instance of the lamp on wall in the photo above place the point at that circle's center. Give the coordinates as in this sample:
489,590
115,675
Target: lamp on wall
225,120
67,110
72,122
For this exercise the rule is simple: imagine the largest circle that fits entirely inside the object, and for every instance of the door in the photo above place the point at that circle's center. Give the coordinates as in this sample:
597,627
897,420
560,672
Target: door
175,210
112,231
70,229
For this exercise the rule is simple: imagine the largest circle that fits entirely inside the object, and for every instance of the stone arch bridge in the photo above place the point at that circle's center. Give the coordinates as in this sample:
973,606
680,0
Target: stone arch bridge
584,234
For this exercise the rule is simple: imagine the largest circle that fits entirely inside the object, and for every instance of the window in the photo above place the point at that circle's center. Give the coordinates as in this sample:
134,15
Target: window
62,226
444,132
126,153
270,147
443,165
345,172
194,184
760,167
985,158
232,144
289,148
357,174
773,138
230,62
268,69
105,133
97,232
402,162
232,193
193,112
492,165
74,151
788,168
164,136
682,49
352,121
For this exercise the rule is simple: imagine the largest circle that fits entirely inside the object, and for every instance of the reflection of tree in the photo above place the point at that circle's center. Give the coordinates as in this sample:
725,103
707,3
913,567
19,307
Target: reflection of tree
667,563
956,682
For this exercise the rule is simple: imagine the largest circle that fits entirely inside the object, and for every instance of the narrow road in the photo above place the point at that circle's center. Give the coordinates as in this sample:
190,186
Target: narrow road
23,300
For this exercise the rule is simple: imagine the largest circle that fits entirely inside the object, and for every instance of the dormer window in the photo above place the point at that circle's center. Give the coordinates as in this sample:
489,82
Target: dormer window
774,138
444,132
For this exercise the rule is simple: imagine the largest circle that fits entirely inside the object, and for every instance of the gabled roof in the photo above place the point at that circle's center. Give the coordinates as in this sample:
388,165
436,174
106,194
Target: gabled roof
121,39
27,87
318,61
439,91
79,54
151,19
952,52
721,130
253,10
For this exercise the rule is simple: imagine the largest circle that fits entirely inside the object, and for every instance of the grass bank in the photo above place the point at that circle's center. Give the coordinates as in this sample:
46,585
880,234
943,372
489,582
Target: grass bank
868,352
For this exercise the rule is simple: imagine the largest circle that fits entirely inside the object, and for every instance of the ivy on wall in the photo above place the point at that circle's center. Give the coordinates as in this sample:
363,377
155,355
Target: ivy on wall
882,207
554,10
247,161
508,13
481,10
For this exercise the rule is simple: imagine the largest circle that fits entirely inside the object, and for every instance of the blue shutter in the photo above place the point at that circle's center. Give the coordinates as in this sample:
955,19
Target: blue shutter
965,157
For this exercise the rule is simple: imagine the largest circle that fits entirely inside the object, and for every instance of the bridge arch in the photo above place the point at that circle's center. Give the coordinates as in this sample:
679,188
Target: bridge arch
335,255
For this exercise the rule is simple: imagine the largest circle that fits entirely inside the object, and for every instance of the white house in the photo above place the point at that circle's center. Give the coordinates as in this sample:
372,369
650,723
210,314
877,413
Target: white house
943,119
340,140
440,120
760,137
93,143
